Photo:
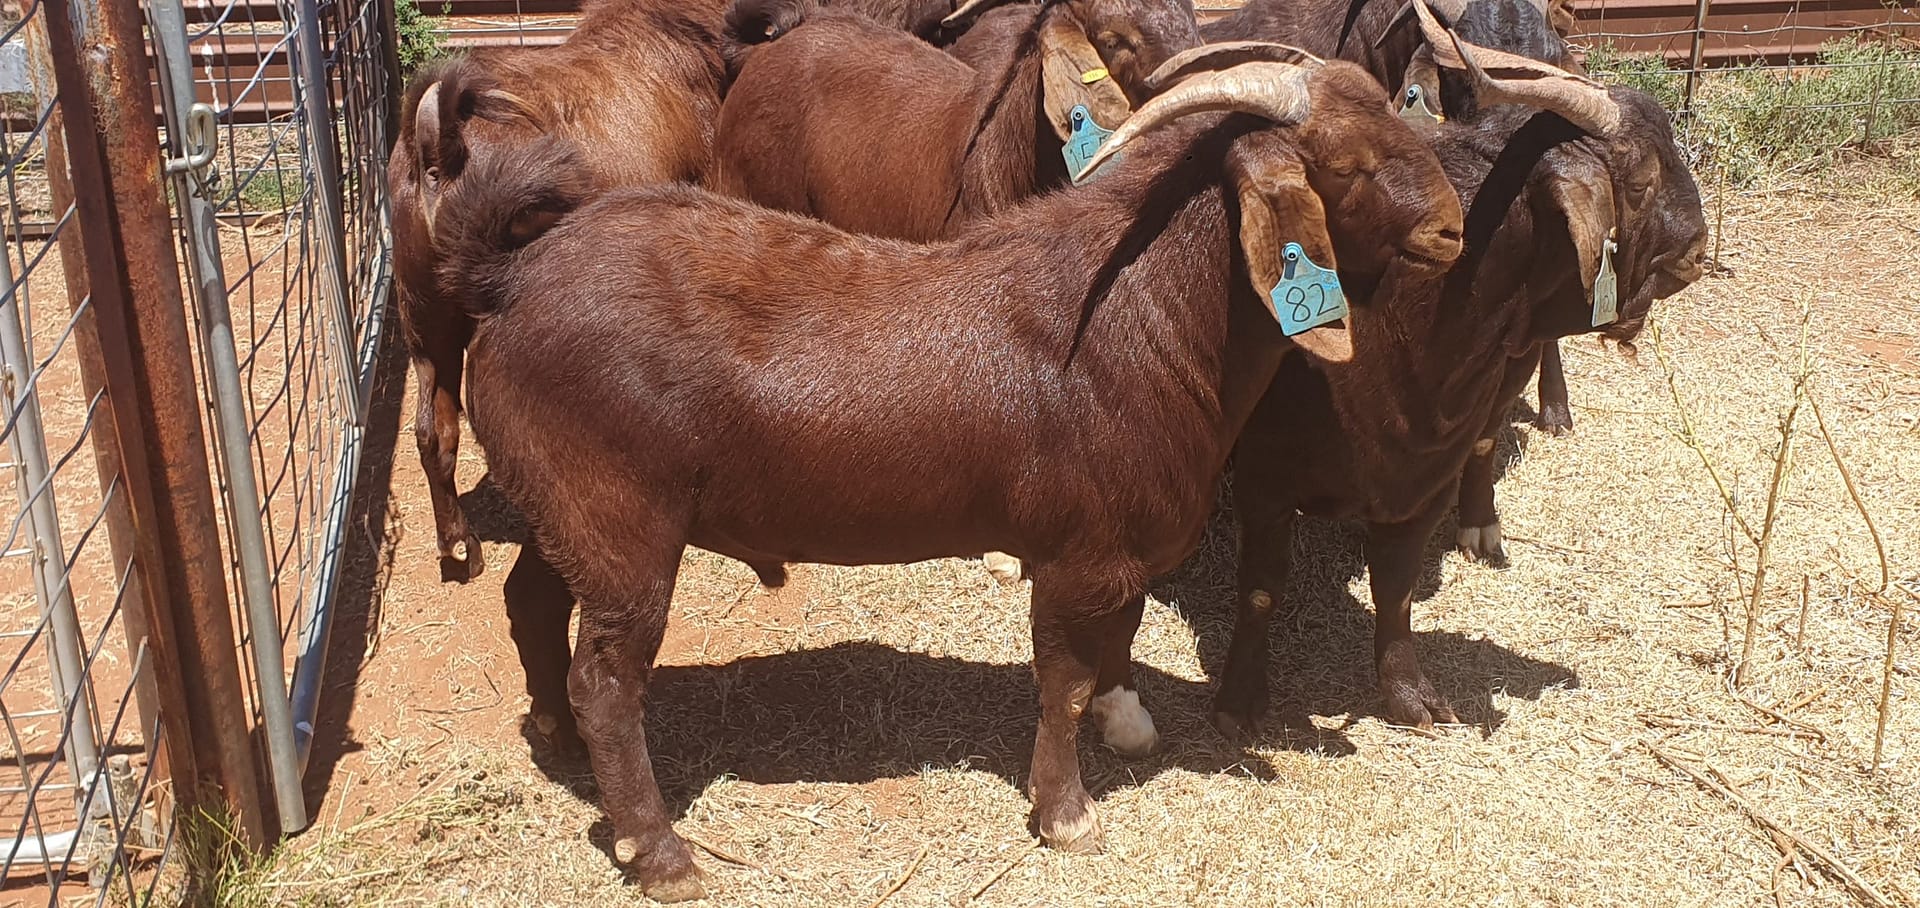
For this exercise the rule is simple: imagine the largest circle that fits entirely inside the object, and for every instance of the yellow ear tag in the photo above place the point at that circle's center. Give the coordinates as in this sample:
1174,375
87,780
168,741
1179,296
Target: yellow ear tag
1093,75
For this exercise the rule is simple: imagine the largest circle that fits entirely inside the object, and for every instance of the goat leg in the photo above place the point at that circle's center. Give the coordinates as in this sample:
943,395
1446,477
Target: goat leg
1070,627
623,618
1556,413
1266,559
539,607
436,428
1393,564
1125,725
1479,535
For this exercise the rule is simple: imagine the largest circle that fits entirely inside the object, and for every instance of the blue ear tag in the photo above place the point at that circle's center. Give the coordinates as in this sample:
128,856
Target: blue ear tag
1307,295
1415,108
1084,139
1606,287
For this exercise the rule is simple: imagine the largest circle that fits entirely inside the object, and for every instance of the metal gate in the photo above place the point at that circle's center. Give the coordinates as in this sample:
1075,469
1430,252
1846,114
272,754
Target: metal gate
166,611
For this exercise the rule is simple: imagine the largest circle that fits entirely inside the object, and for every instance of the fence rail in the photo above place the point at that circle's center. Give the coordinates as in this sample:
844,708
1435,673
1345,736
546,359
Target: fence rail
138,667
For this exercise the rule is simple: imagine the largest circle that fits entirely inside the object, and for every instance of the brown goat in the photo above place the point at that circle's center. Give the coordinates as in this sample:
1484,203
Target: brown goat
863,127
1380,35
637,86
1385,437
1063,381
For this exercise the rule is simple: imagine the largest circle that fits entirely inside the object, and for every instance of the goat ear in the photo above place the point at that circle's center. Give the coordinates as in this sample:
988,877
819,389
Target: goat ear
1587,205
1278,206
1420,89
426,127
1072,73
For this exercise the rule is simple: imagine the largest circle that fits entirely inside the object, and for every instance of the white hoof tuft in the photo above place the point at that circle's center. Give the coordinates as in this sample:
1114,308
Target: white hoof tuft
1261,600
626,850
1004,567
1125,725
546,724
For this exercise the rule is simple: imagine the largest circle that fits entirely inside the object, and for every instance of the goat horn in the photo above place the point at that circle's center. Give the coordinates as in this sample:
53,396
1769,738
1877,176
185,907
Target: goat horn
1521,80
1225,55
1276,91
520,105
1452,9
969,8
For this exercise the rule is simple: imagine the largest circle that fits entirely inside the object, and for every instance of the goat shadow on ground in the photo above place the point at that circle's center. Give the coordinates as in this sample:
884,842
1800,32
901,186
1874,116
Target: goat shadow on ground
859,711
491,516
1321,638
368,553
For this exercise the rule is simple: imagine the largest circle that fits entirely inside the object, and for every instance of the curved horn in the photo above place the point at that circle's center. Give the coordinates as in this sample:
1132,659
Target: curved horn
1277,91
1225,55
1451,9
514,102
969,8
1504,78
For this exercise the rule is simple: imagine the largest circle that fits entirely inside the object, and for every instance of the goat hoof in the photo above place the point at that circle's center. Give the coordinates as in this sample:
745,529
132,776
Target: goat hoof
1073,827
772,576
1125,725
561,733
1004,567
462,561
688,888
667,872
1414,704
1554,420
1483,544
1237,729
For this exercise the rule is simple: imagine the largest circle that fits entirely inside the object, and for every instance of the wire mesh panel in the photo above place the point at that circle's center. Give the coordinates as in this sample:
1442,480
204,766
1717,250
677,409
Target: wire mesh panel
1766,88
299,262
77,769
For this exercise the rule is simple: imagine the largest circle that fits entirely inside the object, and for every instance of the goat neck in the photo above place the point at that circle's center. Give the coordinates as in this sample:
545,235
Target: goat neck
1011,152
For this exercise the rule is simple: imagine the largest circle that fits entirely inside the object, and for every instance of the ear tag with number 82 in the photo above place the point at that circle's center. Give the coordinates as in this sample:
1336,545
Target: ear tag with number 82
1606,286
1307,295
1083,140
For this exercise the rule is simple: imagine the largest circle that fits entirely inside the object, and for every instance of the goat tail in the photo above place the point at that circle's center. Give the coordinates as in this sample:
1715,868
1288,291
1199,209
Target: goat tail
754,22
503,203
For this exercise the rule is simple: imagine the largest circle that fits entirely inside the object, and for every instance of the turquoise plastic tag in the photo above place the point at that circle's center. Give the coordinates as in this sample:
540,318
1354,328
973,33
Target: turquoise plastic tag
1085,139
1415,107
1307,295
1606,287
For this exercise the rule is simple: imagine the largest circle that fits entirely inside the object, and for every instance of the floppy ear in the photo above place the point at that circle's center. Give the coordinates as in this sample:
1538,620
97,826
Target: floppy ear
1587,206
1071,73
1420,88
1278,206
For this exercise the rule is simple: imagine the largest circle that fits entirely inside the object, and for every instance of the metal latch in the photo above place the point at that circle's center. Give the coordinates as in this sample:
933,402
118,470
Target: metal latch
200,141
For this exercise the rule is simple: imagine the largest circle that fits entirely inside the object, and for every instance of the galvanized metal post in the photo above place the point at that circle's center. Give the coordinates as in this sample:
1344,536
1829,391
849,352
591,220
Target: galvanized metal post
86,341
323,170
1699,46
102,74
28,442
192,136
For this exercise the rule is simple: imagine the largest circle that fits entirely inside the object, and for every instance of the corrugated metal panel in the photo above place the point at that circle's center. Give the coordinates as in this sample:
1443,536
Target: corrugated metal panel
1736,32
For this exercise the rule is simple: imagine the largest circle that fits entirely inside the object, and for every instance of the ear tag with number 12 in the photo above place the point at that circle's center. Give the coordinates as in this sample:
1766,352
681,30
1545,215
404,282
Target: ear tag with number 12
1606,287
1307,295
1084,139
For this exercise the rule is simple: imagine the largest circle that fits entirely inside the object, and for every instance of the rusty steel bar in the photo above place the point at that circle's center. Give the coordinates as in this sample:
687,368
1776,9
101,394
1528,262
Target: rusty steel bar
103,82
1699,47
